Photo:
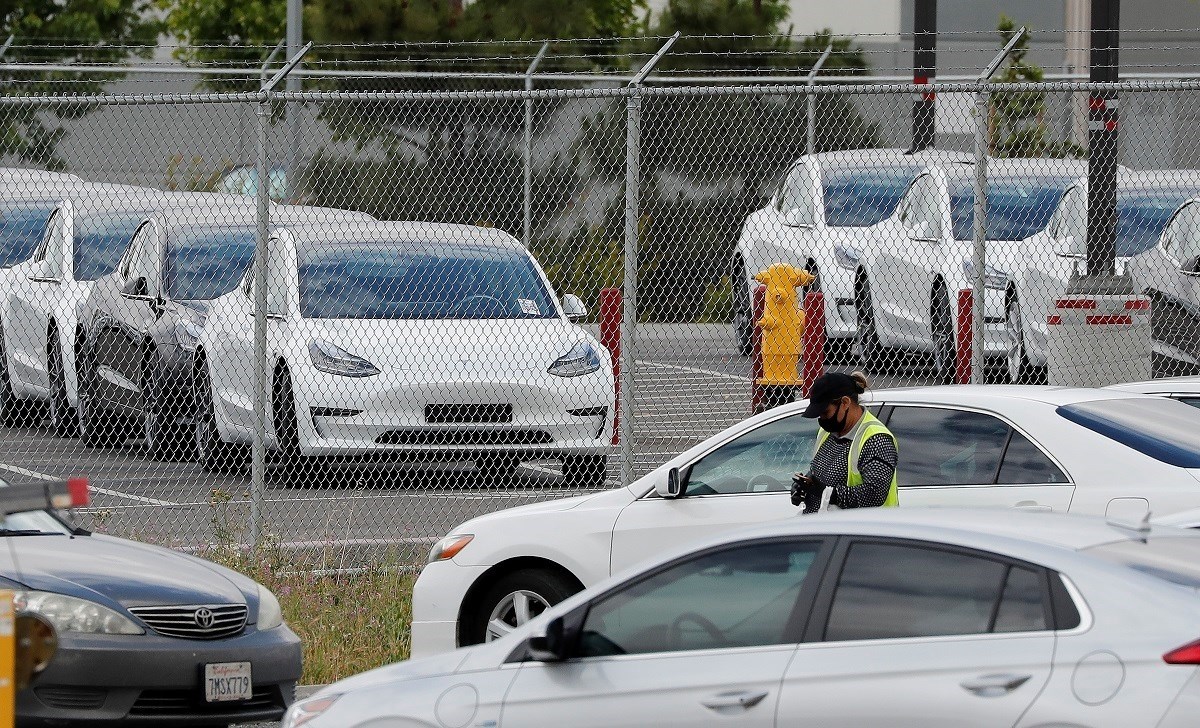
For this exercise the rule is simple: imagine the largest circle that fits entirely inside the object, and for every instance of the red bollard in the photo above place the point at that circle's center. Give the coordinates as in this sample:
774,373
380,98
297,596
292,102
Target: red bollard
813,340
966,313
610,338
758,301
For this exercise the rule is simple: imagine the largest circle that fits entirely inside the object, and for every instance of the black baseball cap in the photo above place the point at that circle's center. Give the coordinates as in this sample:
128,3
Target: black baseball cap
827,388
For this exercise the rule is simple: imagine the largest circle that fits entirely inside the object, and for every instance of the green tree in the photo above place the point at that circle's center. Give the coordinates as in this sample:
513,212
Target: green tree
1017,123
65,31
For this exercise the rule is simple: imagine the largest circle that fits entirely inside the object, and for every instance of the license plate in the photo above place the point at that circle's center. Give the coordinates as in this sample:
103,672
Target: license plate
227,681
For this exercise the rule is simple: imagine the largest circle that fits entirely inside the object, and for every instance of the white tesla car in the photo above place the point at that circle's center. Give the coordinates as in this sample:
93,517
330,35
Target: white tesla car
419,339
811,220
1090,451
913,264
1042,267
862,618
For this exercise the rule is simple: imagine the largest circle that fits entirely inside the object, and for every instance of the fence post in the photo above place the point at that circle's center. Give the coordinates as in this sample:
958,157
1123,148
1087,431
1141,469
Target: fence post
258,452
812,101
527,149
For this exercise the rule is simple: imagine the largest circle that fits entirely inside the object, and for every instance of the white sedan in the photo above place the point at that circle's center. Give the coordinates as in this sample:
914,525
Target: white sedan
1184,389
822,201
864,618
996,446
913,264
422,339
1038,274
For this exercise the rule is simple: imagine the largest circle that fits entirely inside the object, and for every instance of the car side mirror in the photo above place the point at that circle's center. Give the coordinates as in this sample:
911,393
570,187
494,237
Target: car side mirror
137,288
674,485
573,307
551,644
1191,267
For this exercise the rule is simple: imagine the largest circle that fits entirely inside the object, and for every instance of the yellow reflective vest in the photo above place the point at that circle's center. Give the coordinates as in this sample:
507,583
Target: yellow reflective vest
869,426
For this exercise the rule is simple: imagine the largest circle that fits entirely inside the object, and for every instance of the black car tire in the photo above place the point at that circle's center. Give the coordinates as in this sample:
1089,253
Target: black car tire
585,471
945,343
283,412
214,454
870,351
543,587
13,412
64,419
743,309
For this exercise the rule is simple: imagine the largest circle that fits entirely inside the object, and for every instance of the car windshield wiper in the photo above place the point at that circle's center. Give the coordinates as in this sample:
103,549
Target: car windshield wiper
26,532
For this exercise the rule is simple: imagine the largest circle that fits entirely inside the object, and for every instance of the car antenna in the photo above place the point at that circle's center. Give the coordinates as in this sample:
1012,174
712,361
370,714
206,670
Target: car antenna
1142,527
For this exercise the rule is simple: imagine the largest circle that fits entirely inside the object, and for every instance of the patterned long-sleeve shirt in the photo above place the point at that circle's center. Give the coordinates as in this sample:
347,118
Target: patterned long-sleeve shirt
876,464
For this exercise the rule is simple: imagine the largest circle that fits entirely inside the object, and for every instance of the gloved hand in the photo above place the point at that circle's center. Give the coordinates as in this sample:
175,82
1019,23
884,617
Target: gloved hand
806,491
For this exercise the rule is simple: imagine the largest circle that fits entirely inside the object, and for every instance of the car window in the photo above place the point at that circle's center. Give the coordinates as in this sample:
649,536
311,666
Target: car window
1143,213
1192,401
205,262
1017,207
22,227
761,460
1187,235
892,590
922,216
53,232
947,446
863,196
675,609
1024,463
99,242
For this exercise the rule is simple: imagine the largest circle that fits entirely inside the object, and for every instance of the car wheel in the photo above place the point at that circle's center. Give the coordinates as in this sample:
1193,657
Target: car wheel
64,419
743,309
13,412
585,471
496,467
866,341
514,600
945,349
165,439
283,410
214,454
1020,370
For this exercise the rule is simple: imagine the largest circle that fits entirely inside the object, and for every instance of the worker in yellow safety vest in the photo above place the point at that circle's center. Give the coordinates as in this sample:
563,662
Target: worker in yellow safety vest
856,454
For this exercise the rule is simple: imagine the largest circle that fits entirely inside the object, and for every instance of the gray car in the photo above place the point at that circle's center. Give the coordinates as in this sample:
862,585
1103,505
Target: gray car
146,634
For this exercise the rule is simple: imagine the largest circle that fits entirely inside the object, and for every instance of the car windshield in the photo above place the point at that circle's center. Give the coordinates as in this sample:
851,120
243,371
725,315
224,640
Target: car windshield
420,280
1159,427
862,196
1172,558
100,240
204,263
21,229
1017,207
1143,214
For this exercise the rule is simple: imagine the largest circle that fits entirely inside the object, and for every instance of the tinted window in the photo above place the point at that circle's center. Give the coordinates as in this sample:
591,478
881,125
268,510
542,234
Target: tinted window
420,280
99,242
890,591
761,460
860,197
1016,207
946,446
1171,558
21,230
1142,215
1161,428
205,263
1190,401
680,609
1025,464
1023,606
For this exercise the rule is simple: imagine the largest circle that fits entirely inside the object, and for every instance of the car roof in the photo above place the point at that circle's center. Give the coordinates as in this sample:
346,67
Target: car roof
1068,169
1069,531
989,393
370,231
1166,384
849,158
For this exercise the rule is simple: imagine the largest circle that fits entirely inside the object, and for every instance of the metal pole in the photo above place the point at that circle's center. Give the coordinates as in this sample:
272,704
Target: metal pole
812,101
1102,143
633,153
527,159
258,456
924,117
979,231
295,37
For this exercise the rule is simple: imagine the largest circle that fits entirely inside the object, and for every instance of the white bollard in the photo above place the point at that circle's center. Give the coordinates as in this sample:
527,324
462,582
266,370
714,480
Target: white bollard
1096,341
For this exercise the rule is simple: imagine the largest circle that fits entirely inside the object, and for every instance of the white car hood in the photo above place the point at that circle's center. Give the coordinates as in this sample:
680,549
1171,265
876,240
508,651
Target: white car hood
433,666
622,495
497,347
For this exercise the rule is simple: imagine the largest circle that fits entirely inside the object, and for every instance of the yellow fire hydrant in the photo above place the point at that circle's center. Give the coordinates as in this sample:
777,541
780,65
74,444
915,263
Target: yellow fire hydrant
782,325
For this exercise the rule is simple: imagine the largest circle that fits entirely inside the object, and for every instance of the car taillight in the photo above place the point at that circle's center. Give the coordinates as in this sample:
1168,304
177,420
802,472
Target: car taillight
1189,654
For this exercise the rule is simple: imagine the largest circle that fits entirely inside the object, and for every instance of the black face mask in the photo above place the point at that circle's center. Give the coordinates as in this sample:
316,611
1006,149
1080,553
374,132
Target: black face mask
833,425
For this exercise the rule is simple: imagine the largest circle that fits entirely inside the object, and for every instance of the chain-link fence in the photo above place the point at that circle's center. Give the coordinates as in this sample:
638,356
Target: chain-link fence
485,295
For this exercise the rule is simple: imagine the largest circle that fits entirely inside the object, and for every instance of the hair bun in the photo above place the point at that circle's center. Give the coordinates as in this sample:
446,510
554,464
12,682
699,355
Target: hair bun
861,380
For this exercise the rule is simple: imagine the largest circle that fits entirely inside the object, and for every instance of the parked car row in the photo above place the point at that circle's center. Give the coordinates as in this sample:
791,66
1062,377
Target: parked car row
129,311
889,235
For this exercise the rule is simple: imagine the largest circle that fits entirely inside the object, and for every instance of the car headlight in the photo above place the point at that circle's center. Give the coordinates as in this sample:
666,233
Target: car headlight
581,359
304,711
334,360
993,277
847,256
270,615
449,547
70,614
187,334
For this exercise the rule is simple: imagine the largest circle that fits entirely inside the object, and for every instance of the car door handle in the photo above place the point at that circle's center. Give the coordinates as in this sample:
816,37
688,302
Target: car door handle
994,686
1031,505
735,699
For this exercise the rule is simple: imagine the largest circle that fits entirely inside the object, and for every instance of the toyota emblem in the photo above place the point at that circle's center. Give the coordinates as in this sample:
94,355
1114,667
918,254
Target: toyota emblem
204,618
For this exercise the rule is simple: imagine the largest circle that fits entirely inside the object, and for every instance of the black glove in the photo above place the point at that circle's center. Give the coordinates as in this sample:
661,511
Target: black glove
807,491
